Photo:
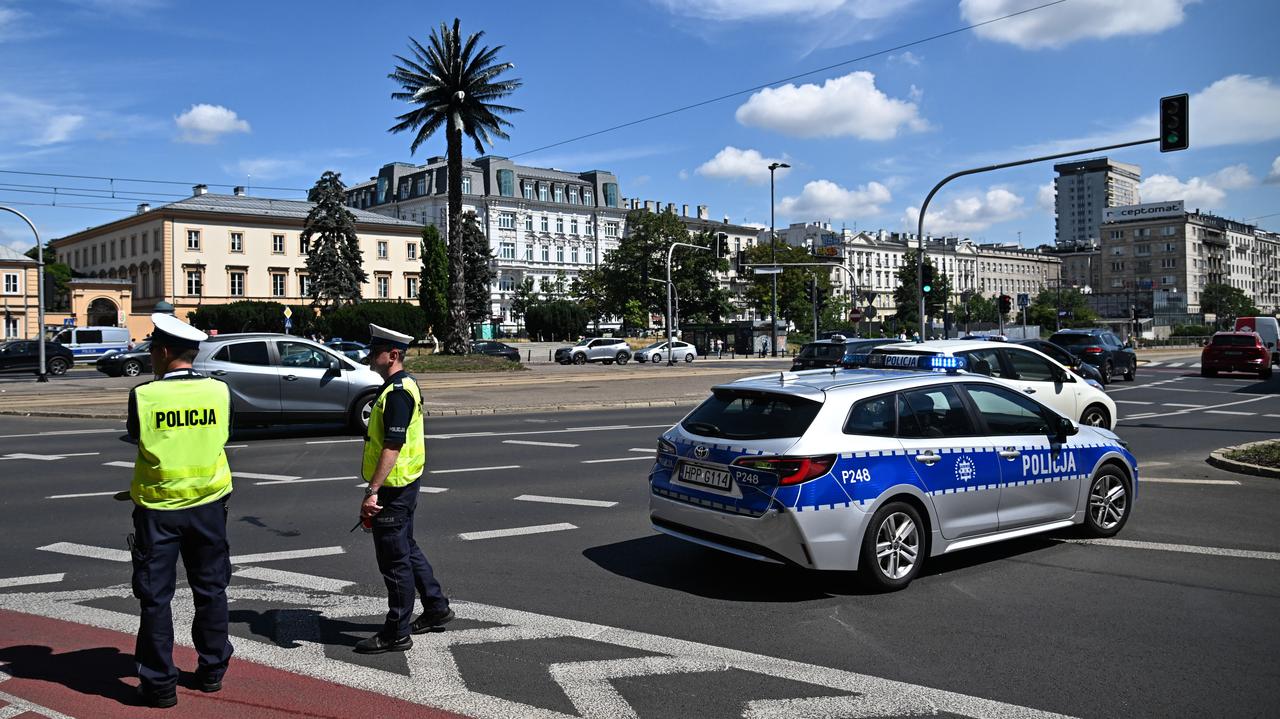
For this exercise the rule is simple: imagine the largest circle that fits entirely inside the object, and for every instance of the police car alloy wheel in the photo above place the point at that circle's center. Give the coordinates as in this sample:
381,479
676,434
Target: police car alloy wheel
1096,416
1108,502
893,548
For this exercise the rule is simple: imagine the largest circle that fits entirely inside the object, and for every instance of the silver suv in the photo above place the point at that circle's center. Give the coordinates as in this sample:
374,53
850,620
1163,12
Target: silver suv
277,379
595,349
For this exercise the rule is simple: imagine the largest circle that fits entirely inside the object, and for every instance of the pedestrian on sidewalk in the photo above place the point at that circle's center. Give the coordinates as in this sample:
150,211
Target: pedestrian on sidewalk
395,456
181,483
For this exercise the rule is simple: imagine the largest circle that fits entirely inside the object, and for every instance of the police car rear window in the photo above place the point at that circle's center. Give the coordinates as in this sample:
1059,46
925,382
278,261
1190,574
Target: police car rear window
1074,340
745,415
822,351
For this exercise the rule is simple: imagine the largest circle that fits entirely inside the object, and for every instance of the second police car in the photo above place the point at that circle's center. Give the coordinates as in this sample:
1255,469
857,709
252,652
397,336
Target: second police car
878,469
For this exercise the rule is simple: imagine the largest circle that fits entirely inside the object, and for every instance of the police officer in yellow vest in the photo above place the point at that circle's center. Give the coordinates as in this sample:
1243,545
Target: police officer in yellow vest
394,456
181,482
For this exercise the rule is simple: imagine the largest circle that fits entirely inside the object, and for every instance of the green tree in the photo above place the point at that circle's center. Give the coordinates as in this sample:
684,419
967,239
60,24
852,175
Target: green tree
906,295
978,309
522,299
433,291
478,270
57,276
556,320
588,290
454,83
1046,304
555,289
634,315
334,260
1226,302
352,321
255,316
795,302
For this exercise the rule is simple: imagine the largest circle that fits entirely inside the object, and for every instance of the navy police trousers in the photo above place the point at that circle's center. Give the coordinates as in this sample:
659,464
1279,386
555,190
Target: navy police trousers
199,536
403,565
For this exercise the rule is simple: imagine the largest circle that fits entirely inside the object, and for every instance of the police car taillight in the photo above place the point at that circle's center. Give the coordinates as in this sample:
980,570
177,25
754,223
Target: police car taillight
665,447
790,470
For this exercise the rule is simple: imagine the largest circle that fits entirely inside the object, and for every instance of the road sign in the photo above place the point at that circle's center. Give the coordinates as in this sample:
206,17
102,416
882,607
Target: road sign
766,270
869,312
1024,300
288,324
287,314
869,296
855,314
69,322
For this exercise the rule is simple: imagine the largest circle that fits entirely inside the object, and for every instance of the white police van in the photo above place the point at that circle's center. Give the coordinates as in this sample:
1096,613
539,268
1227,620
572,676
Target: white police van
90,343
877,469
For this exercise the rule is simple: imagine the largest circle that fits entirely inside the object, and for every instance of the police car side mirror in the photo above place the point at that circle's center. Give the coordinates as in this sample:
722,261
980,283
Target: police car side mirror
1067,427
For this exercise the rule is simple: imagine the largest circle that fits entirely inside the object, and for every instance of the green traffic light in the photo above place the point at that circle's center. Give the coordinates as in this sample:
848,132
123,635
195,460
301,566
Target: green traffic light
928,289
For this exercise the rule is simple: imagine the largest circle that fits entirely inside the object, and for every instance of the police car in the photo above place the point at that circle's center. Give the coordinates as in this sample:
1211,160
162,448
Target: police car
878,469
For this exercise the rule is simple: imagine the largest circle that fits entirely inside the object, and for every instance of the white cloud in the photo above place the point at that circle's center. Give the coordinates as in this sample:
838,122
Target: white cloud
204,124
266,168
1046,198
734,164
59,129
35,123
1274,175
971,213
1208,192
1060,25
750,10
683,174
849,105
824,199
1236,109
907,58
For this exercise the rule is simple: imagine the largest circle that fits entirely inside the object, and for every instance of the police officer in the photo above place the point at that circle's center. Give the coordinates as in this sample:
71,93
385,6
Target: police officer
394,457
181,482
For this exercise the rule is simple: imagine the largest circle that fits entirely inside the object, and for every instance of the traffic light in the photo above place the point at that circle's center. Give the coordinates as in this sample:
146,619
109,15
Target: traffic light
1174,123
926,273
1006,304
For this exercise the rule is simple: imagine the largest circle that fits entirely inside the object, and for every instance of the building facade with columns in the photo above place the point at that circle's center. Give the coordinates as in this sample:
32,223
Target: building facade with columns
18,292
214,249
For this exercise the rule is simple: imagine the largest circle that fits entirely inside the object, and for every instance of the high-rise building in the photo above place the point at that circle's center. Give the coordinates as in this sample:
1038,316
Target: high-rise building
1083,190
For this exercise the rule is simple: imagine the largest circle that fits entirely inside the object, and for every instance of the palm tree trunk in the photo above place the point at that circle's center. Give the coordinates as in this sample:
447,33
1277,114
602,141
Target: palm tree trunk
456,340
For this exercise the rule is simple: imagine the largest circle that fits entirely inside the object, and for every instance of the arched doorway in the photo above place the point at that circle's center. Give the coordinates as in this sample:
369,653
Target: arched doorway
103,313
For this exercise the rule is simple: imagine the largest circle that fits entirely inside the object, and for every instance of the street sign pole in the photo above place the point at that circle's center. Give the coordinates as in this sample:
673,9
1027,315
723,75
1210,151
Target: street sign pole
40,371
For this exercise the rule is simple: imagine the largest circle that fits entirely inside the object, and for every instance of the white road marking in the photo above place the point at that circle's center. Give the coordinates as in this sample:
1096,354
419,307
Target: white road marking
1185,548
60,432
303,481
432,490
86,550
1187,411
31,579
275,477
517,531
615,459
118,464
16,706
430,674
49,457
1176,364
609,428
307,581
290,554
81,494
1144,465
565,500
1131,401
532,443
643,449
473,469
1179,404
235,446
1154,364
1273,416
333,441
1222,411
1189,481
1193,365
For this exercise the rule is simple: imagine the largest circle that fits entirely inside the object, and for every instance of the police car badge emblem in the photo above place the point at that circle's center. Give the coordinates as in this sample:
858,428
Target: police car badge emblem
700,452
965,469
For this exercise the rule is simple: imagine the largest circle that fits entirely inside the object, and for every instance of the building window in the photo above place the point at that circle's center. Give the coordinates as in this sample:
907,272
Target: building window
1117,234
411,251
610,194
411,287
528,191
546,253
277,244
384,284
420,185
1117,267
573,255
382,250
133,245
507,250
237,284
302,247
586,196
11,330
559,190
113,250
506,283
528,223
304,285
466,184
586,227
1142,250
506,220
542,191
277,284
559,225
1168,280
559,253
573,226
11,283
573,195
610,229
591,256
193,239
506,183
1168,263
1169,247
195,283
1168,231
528,253
1117,252
545,226
237,242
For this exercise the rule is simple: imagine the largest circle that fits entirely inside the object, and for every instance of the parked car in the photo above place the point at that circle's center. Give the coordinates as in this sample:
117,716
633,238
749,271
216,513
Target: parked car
129,363
495,349
277,379
1027,371
357,351
657,352
595,349
1236,352
1102,349
90,343
830,352
1267,328
24,356
1064,358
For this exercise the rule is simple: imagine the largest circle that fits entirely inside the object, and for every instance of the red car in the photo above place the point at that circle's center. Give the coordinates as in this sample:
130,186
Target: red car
1235,352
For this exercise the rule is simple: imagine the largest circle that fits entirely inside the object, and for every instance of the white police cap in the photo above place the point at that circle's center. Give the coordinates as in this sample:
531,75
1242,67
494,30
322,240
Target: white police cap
383,337
173,332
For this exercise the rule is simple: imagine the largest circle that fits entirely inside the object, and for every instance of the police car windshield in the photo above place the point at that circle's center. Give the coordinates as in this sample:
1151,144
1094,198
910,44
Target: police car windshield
751,414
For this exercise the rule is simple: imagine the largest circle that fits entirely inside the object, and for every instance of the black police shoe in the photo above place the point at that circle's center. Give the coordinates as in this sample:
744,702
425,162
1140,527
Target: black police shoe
208,684
158,698
431,622
376,644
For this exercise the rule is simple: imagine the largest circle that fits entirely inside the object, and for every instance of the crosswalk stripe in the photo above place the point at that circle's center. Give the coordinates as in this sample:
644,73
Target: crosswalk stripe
279,576
304,481
80,494
565,500
31,579
1176,364
1162,480
1225,411
1154,364
473,469
118,464
532,443
288,554
615,459
517,531
255,475
1184,548
86,550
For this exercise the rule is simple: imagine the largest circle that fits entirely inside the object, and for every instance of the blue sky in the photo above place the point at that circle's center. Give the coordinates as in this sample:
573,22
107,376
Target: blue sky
274,93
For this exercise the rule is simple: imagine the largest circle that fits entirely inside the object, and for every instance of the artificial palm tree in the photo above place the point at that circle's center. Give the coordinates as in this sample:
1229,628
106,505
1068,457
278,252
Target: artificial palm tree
453,84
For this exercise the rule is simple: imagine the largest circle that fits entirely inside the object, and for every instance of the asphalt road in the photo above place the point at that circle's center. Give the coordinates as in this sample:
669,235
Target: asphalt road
596,615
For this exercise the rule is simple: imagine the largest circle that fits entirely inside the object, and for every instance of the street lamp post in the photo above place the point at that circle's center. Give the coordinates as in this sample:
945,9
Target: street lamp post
40,371
773,244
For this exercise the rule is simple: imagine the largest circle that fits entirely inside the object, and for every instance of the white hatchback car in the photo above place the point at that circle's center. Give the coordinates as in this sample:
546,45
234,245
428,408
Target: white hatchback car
657,352
1030,371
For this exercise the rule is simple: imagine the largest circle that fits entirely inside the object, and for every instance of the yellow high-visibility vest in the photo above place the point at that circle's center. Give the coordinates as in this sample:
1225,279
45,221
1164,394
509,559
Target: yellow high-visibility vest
413,454
183,426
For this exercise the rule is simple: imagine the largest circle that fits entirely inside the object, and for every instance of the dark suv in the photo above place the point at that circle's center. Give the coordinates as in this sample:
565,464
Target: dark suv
1100,348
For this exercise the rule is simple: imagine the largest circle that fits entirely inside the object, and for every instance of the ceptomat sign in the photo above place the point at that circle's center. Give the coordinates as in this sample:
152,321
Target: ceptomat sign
1143,212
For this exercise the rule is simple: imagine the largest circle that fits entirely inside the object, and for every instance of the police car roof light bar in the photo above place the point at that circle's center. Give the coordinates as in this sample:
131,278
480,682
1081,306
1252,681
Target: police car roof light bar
910,362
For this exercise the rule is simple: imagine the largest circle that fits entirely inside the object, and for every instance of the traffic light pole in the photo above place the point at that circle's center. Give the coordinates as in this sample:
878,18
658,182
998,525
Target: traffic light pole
974,171
41,368
853,286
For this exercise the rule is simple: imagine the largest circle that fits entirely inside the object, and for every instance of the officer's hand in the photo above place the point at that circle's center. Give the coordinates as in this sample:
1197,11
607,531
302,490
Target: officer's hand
370,507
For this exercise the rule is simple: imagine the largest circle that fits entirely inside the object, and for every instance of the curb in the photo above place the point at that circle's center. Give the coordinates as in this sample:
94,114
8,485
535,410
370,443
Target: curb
1218,459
